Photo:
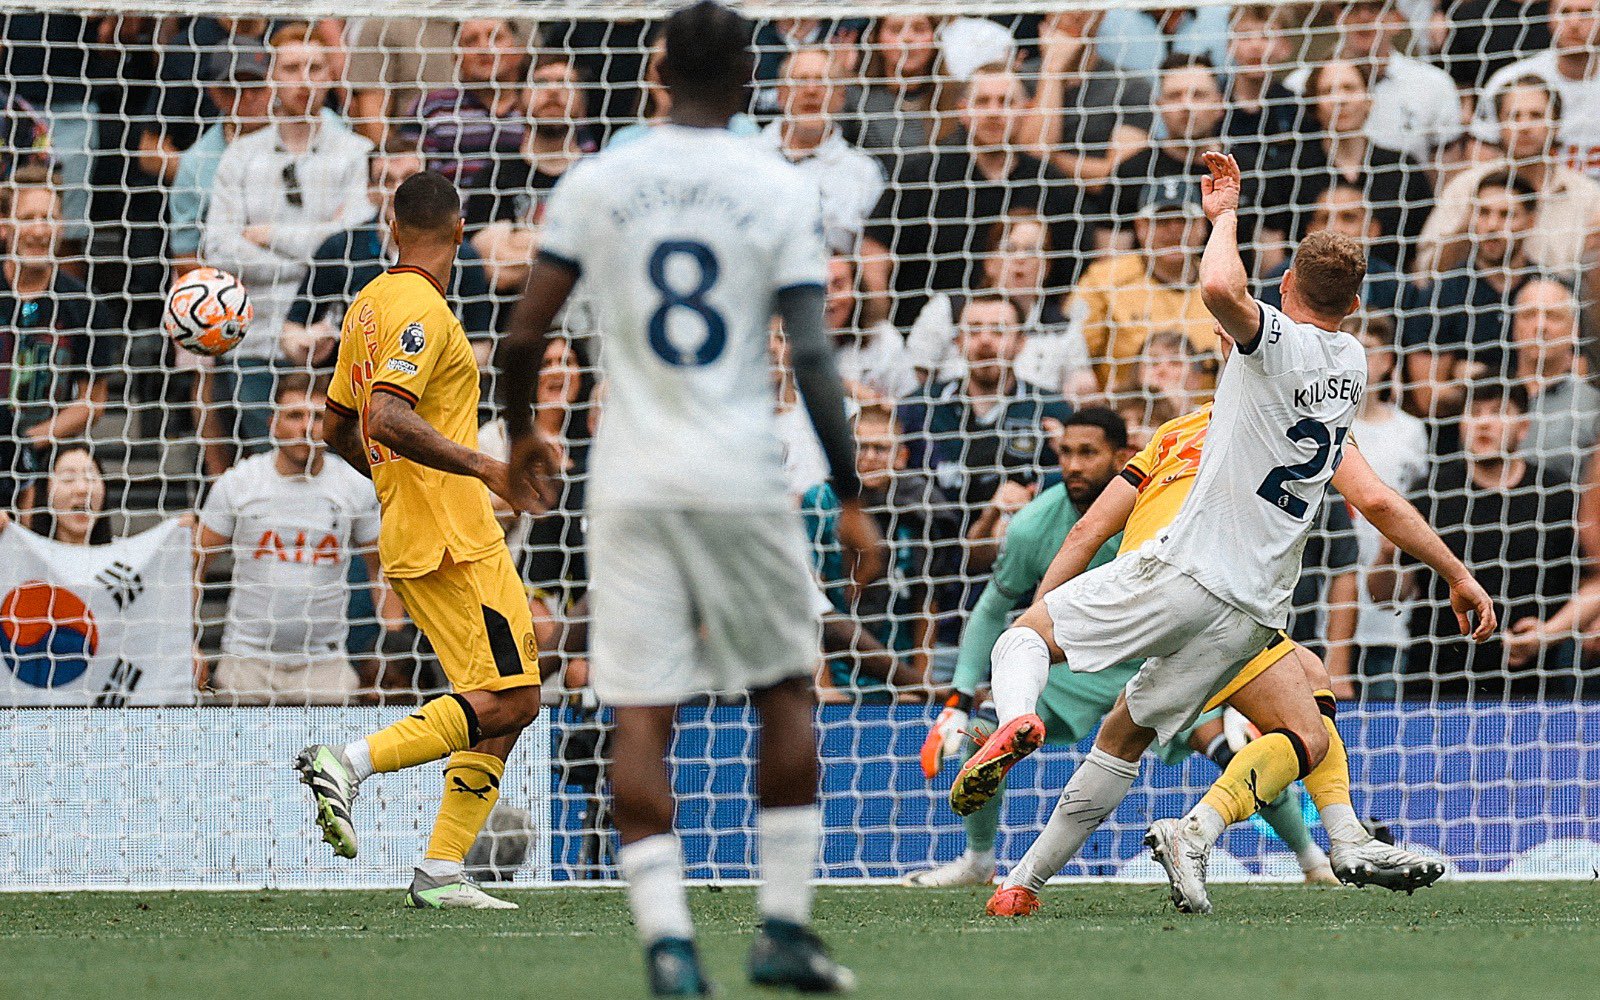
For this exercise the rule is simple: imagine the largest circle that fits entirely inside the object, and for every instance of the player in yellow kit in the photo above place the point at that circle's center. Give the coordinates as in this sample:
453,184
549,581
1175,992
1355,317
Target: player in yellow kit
403,409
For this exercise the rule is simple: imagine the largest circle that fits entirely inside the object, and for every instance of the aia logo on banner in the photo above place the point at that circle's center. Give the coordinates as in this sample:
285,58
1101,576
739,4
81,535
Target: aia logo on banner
47,634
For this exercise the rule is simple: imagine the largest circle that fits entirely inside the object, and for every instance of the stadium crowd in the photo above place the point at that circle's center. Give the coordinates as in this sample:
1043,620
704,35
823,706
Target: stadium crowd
1012,205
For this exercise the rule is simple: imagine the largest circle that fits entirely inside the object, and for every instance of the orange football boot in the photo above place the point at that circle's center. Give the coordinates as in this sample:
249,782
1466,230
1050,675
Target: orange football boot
980,777
1013,901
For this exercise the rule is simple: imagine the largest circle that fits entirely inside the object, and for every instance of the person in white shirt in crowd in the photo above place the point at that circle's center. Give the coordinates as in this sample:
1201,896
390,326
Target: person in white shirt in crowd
278,194
1530,115
1395,444
1572,67
1415,106
1018,265
1564,416
874,362
292,519
809,101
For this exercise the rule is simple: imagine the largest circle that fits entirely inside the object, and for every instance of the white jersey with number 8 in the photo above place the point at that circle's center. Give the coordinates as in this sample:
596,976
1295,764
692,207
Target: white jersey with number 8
683,240
1283,410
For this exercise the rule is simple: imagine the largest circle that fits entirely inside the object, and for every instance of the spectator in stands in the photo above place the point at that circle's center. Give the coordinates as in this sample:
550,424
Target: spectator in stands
779,38
987,427
71,508
1566,209
805,133
393,62
53,337
1571,66
1260,107
1171,369
658,101
1323,615
903,106
1191,108
183,106
916,521
347,261
1395,186
1341,207
1121,300
1512,524
1414,107
292,520
1395,444
503,220
1017,263
279,193
1564,418
873,360
1458,327
1092,115
1481,36
470,131
237,86
928,230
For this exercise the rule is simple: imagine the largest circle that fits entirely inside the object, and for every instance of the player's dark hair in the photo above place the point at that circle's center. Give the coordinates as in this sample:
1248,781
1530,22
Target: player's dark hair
427,202
1109,421
707,53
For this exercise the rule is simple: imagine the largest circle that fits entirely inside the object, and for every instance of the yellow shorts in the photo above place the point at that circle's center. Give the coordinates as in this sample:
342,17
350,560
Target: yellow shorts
476,616
1281,646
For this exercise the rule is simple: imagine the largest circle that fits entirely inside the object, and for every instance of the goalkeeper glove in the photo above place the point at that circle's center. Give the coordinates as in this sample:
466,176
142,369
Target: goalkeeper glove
944,739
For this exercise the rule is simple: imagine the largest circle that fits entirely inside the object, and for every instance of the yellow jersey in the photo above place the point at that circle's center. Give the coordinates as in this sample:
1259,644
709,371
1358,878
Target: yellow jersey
1163,474
1121,305
400,337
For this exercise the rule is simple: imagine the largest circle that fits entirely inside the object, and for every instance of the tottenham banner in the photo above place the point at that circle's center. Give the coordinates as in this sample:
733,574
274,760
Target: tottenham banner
101,625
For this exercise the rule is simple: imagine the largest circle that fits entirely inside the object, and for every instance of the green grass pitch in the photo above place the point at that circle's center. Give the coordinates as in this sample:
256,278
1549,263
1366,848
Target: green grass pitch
1102,942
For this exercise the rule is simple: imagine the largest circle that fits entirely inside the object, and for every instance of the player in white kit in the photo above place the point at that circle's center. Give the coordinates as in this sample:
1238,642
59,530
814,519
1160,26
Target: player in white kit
688,240
1211,592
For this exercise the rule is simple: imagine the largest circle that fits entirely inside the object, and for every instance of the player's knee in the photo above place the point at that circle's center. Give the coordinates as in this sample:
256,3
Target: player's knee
1314,738
1038,619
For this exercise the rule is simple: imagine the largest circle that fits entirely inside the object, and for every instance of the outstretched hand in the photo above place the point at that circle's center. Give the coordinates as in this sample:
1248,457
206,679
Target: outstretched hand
1219,191
533,467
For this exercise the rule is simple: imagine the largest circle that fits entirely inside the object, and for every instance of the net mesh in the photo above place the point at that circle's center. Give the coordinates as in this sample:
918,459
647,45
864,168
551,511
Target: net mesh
1050,154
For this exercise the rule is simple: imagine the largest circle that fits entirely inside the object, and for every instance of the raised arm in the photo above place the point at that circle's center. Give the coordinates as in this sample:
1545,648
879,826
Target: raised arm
1410,532
1224,282
1107,516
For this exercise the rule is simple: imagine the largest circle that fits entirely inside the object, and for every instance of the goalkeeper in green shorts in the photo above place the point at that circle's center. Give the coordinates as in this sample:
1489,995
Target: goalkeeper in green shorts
1092,449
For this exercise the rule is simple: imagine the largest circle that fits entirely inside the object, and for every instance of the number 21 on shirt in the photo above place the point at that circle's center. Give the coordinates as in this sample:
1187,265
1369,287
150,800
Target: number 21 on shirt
1273,489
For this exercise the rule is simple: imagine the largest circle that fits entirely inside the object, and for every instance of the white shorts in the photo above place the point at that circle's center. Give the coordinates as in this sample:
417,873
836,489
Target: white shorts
689,602
1140,608
284,680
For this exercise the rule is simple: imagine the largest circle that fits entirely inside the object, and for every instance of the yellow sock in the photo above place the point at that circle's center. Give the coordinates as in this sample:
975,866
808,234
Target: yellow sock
471,788
437,729
1257,774
1329,784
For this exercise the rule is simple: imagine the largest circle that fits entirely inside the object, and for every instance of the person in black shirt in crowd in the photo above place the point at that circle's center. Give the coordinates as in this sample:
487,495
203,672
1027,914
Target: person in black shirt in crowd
1324,615
927,233
1512,523
49,350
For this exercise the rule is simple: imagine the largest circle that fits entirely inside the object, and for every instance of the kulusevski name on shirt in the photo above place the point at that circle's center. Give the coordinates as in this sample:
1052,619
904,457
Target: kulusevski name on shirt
1337,387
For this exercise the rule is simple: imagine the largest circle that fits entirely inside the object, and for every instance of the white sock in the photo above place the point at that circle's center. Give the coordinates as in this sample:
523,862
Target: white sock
1019,670
1208,821
1097,787
981,860
789,839
359,755
1311,857
654,870
1342,825
435,868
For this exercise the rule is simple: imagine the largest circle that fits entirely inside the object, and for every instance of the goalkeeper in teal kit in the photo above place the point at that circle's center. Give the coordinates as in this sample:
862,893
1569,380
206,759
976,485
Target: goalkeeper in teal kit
1092,447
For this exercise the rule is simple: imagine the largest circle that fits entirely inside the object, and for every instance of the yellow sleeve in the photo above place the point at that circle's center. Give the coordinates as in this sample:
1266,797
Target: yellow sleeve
410,339
1139,467
342,398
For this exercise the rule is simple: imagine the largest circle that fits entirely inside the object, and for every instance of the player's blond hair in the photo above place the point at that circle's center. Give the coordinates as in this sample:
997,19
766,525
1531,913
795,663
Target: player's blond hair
1328,271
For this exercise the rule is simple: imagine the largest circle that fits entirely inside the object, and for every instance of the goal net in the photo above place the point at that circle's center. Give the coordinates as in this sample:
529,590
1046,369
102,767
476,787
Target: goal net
189,590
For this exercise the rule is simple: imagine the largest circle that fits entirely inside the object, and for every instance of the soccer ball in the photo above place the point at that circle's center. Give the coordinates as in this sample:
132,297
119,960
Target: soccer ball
208,312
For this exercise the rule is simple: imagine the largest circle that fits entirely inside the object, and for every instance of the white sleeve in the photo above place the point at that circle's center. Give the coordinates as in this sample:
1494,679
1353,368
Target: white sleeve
220,512
365,527
566,216
222,241
801,256
1275,342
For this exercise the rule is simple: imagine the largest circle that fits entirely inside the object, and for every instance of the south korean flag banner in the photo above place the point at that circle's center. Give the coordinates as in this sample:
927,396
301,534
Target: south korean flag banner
97,625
